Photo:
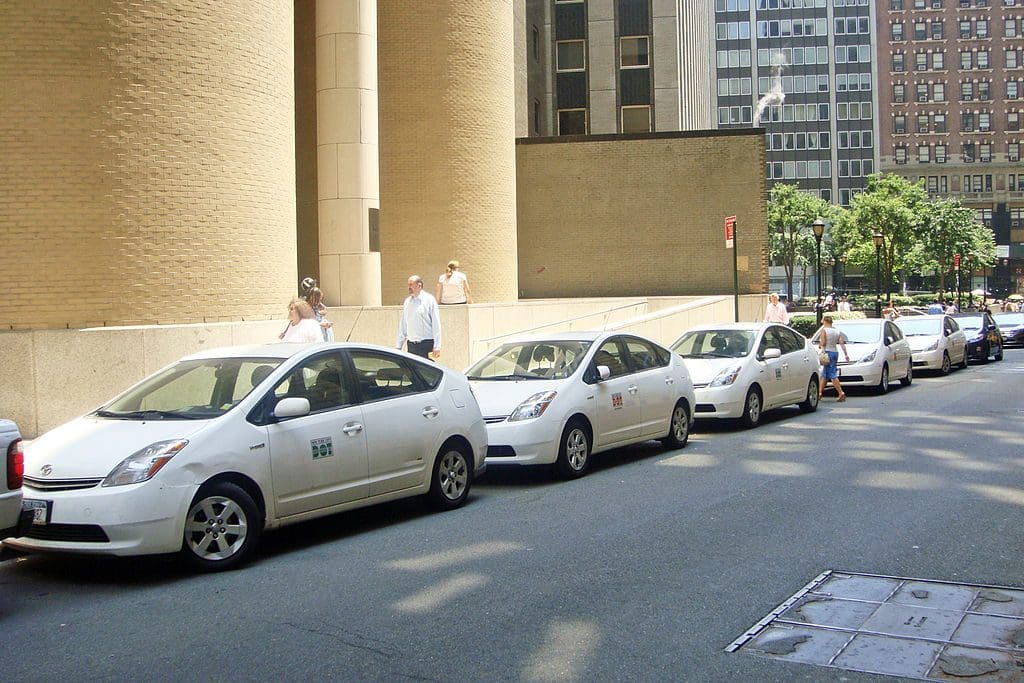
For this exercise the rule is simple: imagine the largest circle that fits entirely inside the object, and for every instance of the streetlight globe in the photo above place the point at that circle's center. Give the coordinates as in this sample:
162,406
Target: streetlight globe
819,228
877,239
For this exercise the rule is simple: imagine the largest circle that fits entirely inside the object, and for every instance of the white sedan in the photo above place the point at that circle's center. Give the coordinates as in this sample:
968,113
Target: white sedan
561,398
740,370
206,454
878,351
936,342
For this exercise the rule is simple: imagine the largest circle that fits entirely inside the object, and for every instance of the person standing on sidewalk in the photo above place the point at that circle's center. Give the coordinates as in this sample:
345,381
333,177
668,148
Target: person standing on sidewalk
453,287
776,312
420,324
828,339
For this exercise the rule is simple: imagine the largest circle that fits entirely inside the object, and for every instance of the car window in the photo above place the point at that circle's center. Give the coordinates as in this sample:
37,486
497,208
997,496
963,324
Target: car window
892,332
430,374
610,355
715,344
320,380
547,359
382,376
771,340
791,341
642,354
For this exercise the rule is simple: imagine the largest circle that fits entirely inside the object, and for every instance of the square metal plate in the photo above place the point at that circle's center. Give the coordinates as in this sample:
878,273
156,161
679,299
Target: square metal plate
914,628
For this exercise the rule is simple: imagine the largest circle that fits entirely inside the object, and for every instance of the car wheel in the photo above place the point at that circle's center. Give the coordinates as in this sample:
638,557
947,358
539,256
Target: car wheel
752,408
946,365
988,352
906,381
574,450
678,427
963,362
883,384
999,354
810,402
451,478
222,527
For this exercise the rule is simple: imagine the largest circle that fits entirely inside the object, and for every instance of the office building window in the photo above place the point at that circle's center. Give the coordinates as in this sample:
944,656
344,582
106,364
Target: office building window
939,123
937,30
923,154
571,55
985,153
981,28
1013,152
896,5
920,30
636,119
901,154
965,28
1010,28
634,52
940,154
922,123
921,61
898,93
922,92
572,121
899,124
967,122
1013,90
984,91
897,62
896,31
938,61
984,122
1013,120
536,117
1012,58
938,92
968,152
966,92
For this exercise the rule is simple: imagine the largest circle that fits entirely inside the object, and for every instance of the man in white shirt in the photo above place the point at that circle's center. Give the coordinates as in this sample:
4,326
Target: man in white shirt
420,324
776,312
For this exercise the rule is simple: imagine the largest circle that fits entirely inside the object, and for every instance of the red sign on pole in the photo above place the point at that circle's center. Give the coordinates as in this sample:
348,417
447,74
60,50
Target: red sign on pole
730,231
956,261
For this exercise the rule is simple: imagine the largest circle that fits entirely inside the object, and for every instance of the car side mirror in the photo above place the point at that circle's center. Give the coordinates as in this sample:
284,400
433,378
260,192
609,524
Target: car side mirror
603,372
293,406
770,354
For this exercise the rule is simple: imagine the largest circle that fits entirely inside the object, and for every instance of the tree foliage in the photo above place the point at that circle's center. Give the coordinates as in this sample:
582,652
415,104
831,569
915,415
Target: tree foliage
791,212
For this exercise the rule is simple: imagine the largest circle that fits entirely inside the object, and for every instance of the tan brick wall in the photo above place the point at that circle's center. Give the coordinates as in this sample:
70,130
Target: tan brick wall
447,153
306,218
640,215
147,161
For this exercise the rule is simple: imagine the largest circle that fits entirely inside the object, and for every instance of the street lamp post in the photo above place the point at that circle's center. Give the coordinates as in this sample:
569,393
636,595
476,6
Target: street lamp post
877,239
832,273
819,231
842,274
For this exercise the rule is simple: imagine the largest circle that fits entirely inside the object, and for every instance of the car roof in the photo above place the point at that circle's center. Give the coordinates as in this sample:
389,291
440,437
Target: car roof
280,350
741,326
586,335
930,316
863,321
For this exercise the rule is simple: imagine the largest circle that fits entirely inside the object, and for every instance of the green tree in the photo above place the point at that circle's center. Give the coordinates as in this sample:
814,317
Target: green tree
791,212
948,229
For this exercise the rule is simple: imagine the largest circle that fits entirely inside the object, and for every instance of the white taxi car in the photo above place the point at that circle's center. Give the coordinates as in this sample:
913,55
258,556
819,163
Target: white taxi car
739,370
878,350
936,342
563,397
206,454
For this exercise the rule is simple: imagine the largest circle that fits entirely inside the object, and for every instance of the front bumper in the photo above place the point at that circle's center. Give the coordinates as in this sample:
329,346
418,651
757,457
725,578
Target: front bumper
978,350
860,374
719,402
928,360
529,442
138,519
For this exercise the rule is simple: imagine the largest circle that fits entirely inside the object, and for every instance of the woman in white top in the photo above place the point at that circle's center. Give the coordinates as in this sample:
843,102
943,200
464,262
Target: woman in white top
453,287
302,325
828,340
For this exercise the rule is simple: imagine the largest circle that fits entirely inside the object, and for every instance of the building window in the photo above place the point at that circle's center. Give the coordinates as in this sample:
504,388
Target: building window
985,153
898,93
922,92
897,62
938,61
1013,120
536,44
1010,28
634,52
965,28
536,117
896,4
1012,90
572,121
920,30
983,59
636,119
923,154
940,154
901,154
967,122
921,61
968,151
966,92
1012,59
897,30
984,91
939,123
1013,152
939,92
571,55
899,124
922,123
937,31
981,28
984,122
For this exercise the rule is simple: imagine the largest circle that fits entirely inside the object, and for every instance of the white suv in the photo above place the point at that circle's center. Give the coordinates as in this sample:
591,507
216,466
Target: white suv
10,492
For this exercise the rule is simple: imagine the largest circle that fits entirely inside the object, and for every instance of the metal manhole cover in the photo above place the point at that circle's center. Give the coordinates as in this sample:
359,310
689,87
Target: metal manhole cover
914,628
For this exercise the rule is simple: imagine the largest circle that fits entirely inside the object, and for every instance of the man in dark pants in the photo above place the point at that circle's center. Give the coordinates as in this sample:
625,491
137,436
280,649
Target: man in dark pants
420,324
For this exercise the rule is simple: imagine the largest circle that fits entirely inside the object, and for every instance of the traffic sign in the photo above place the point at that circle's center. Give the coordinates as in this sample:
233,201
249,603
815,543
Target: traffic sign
730,231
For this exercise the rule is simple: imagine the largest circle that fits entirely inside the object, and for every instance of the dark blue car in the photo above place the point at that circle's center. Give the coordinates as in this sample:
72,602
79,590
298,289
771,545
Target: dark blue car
983,336
1012,327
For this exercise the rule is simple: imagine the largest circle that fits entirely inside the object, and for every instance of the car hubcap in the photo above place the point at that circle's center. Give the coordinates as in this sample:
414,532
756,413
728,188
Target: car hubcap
576,449
679,423
216,528
885,379
753,407
812,393
453,474
945,364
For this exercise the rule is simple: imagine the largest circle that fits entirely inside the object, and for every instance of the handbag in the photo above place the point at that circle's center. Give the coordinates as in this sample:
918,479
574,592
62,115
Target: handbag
824,358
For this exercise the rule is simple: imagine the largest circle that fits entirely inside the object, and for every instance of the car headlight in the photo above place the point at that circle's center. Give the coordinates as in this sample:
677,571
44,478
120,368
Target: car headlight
868,358
934,345
142,465
726,377
532,407
979,337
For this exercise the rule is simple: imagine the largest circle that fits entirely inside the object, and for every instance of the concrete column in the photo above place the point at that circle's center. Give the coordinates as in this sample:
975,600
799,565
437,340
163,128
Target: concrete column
347,163
447,149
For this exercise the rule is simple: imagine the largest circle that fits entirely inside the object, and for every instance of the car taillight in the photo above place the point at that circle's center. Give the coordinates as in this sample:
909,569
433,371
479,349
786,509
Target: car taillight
15,465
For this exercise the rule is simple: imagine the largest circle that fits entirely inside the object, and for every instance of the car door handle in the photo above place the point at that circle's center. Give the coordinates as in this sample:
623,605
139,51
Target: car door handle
632,389
430,411
352,428
669,380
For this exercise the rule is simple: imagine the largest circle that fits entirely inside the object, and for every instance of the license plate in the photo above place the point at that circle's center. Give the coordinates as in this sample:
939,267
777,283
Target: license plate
40,510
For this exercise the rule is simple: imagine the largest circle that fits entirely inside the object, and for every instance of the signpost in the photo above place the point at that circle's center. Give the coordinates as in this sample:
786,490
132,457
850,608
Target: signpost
730,243
956,267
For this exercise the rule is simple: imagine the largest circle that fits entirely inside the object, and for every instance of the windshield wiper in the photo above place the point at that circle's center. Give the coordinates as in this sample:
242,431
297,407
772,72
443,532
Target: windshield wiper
150,415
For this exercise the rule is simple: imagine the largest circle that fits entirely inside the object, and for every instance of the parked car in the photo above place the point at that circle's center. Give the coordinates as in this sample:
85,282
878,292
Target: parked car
1012,327
936,342
983,336
560,398
13,520
878,351
911,311
209,452
740,370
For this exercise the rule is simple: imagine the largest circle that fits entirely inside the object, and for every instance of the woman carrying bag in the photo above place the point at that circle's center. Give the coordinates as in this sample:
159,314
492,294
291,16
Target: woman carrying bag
828,339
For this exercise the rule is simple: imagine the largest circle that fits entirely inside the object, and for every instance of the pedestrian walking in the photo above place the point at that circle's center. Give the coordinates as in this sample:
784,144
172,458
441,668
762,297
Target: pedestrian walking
935,307
775,312
420,323
844,305
315,298
302,325
453,286
890,312
829,338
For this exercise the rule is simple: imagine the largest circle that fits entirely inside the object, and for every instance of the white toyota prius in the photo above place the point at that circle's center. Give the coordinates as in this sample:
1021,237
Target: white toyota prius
209,452
563,397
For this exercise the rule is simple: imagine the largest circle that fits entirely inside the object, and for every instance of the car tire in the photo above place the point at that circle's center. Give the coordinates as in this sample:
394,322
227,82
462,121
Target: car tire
678,427
946,364
222,527
999,354
909,379
450,478
810,402
574,450
963,362
883,383
752,408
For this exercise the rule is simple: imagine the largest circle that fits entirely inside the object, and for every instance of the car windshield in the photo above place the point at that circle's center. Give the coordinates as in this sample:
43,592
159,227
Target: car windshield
530,360
715,344
191,390
970,322
860,334
1009,318
921,327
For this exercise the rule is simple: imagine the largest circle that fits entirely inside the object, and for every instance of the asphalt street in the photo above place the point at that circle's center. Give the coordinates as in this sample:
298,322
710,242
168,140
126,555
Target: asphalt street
644,570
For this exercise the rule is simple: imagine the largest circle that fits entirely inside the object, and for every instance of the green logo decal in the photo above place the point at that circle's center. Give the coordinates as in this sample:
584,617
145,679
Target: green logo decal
322,448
